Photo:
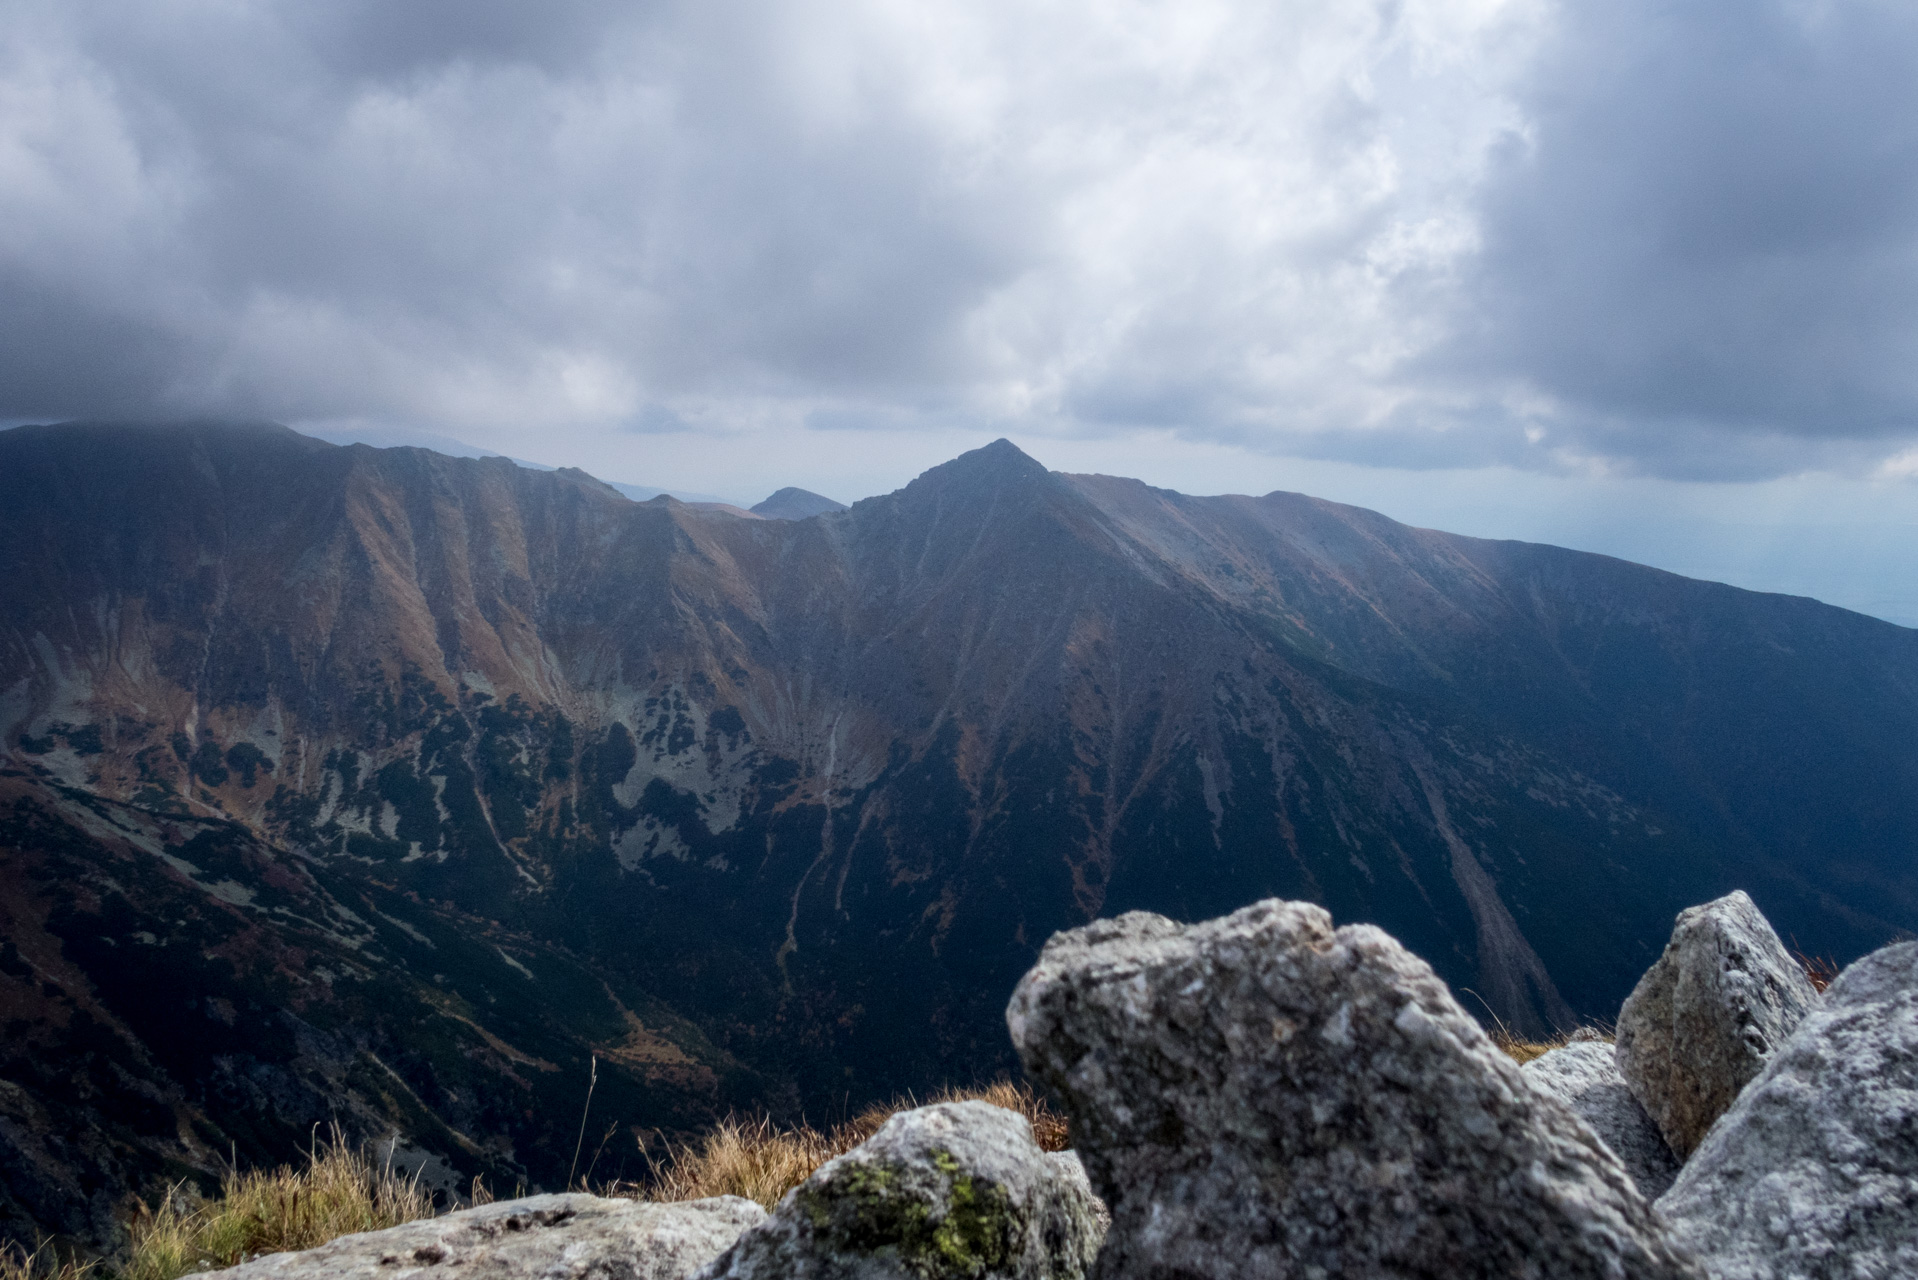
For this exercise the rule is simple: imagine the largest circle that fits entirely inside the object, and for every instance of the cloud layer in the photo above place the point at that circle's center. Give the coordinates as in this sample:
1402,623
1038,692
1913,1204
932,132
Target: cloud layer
1625,236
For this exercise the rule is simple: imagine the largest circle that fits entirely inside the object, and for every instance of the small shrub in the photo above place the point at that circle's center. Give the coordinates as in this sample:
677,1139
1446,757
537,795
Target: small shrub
752,1158
206,765
340,1191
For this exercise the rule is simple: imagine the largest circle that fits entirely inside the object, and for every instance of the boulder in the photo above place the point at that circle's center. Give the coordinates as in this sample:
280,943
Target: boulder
559,1237
1584,1076
1699,1025
1814,1170
1073,1170
957,1190
1261,1095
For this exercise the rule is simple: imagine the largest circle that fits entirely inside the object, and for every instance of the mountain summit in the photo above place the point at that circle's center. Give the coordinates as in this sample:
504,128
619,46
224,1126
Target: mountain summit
403,784
796,504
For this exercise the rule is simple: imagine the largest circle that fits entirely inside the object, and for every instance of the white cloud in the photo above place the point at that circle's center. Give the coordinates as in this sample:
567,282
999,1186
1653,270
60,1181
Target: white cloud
1415,232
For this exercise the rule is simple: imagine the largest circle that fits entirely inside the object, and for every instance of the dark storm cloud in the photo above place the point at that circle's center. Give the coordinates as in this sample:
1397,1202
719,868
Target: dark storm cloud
1675,238
1707,256
430,208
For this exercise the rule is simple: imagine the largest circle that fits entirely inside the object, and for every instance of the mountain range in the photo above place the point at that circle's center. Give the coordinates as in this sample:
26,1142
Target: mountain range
397,787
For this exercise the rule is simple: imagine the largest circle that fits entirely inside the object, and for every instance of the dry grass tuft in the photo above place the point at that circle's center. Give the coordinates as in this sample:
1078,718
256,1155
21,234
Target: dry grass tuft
742,1158
1820,971
753,1159
340,1191
1048,1126
1522,1051
43,1263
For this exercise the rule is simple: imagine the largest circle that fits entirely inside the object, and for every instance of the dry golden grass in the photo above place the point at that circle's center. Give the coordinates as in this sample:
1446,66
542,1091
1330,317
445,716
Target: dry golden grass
747,1158
41,1264
1819,970
1048,1126
340,1191
752,1158
1522,1051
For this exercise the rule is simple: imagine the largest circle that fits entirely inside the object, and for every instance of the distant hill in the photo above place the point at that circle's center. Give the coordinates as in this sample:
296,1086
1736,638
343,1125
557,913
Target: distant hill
402,784
796,504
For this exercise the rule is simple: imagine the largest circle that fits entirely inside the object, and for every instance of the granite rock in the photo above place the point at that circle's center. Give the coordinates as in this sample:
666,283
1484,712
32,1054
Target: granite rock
1584,1076
955,1190
557,1237
1261,1095
1814,1170
1700,1024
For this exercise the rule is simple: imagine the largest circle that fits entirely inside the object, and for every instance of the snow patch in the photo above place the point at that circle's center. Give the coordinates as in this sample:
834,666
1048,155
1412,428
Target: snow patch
714,767
649,839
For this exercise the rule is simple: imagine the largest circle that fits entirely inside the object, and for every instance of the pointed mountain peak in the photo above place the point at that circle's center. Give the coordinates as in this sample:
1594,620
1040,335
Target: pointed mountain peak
994,466
1001,453
796,504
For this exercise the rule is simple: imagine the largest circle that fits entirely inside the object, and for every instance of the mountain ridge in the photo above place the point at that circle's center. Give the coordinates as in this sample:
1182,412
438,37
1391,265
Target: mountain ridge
814,791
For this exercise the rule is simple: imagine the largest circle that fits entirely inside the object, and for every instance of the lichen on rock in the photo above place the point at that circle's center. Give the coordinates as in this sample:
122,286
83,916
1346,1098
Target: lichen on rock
957,1191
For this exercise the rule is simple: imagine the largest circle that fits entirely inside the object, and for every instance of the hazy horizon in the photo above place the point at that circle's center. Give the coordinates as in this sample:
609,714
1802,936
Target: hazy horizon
1621,277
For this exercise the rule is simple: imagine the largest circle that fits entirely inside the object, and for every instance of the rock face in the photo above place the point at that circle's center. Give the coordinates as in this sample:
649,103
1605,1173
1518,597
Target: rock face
1703,1020
1262,1096
561,1237
1814,1170
954,1190
1585,1078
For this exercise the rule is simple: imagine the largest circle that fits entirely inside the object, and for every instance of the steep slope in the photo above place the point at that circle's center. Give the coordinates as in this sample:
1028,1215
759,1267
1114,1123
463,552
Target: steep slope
177,993
805,796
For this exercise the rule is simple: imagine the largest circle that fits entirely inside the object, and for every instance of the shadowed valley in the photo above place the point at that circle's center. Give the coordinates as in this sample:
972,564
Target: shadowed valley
394,785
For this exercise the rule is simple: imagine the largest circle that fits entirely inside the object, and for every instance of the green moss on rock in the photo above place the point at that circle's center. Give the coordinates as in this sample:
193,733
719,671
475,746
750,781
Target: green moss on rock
882,1209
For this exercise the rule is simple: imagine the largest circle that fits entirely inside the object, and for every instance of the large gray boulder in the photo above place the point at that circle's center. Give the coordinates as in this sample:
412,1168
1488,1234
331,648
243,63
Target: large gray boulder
957,1190
1584,1076
1263,1096
560,1237
1814,1170
1703,1020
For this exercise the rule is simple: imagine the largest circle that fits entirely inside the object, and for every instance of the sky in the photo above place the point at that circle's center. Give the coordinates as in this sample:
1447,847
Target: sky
1635,276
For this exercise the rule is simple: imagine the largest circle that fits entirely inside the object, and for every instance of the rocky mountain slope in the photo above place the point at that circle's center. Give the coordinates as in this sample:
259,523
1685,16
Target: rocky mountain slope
463,773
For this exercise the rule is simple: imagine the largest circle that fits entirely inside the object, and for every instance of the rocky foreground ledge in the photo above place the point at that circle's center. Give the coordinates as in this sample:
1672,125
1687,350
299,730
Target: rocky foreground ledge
561,1237
1266,1096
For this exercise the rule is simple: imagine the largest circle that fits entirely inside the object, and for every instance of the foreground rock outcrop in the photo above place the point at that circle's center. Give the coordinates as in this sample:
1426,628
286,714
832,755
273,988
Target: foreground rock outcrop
1261,1095
1584,1076
958,1190
1700,1024
1814,1170
558,1237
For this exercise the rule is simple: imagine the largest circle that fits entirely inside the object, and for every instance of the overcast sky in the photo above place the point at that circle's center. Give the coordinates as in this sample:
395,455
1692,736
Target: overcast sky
1639,276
